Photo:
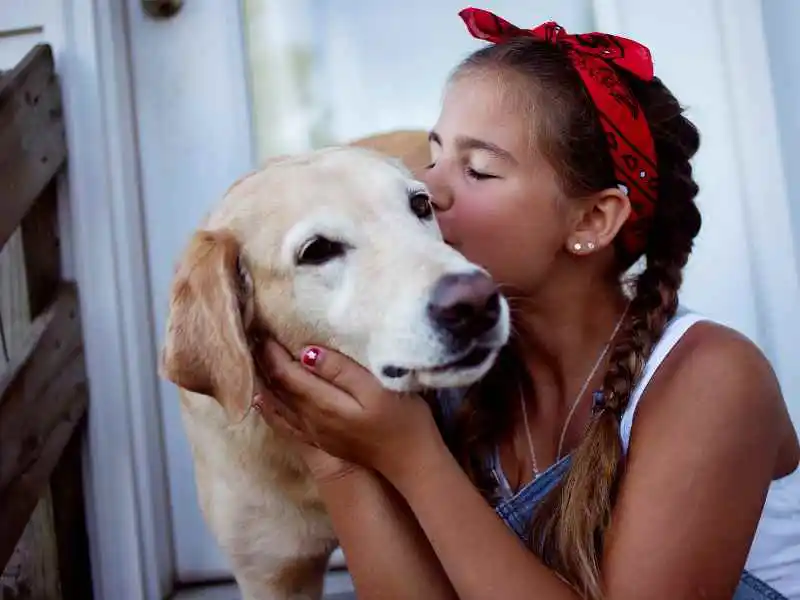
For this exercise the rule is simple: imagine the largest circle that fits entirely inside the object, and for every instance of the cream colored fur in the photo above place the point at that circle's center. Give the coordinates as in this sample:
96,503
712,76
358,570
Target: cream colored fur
239,277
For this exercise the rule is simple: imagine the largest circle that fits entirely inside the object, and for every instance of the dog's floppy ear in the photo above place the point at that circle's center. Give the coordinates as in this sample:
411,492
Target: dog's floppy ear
211,305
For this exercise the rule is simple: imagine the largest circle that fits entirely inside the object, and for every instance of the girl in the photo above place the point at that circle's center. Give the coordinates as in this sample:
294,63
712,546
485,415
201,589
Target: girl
622,447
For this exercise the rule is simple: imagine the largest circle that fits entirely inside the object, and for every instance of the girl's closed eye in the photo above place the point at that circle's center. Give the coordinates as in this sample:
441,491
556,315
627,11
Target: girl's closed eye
479,175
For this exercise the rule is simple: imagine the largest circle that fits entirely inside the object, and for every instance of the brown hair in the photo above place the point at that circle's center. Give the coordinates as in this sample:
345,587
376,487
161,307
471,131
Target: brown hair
568,528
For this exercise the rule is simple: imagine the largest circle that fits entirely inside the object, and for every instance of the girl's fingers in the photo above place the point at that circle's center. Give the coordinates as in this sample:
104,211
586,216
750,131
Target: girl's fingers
279,417
340,370
319,396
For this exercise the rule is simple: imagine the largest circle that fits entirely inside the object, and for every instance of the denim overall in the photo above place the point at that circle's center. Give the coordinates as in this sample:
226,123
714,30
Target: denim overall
516,509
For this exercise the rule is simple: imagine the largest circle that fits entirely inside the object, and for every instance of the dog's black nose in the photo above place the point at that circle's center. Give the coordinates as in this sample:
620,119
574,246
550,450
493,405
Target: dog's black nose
465,305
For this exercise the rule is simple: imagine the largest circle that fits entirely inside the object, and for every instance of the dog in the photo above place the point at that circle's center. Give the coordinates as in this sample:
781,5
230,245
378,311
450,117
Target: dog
337,247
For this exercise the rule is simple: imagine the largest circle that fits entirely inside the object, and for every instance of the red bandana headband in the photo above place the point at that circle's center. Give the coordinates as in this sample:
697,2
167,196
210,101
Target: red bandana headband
595,56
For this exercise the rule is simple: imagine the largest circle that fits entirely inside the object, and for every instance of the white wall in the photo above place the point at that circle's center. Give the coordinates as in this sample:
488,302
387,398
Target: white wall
24,23
781,23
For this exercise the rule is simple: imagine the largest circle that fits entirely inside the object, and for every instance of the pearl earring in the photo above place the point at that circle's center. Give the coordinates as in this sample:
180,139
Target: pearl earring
590,245
577,246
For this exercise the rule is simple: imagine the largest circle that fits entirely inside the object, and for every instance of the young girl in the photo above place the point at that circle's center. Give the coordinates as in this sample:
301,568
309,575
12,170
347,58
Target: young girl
622,447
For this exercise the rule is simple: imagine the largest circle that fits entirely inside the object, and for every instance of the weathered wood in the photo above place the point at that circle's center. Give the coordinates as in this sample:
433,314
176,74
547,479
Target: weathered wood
43,396
51,364
14,312
43,381
32,139
32,572
24,352
41,250
19,499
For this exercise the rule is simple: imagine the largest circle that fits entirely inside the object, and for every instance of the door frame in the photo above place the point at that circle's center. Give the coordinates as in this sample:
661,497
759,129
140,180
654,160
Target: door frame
127,507
124,458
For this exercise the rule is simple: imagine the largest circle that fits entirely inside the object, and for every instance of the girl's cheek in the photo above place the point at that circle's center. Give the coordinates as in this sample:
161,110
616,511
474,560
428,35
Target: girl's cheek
447,229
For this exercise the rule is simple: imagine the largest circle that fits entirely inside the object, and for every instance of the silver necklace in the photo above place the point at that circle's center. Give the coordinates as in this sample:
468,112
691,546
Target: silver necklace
575,403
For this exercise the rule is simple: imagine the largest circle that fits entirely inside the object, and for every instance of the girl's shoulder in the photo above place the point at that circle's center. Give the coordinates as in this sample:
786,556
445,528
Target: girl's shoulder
709,351
695,352
703,372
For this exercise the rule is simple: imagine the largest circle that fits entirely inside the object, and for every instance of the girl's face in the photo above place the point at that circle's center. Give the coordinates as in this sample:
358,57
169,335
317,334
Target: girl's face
497,197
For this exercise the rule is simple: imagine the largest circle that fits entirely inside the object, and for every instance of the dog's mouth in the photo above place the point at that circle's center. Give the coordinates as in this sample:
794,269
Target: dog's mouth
473,357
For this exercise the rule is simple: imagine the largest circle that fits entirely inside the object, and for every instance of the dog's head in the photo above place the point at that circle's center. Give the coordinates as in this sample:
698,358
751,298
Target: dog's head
339,248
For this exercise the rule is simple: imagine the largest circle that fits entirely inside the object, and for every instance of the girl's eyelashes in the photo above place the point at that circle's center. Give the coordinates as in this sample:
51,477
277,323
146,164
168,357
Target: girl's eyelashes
470,172
478,175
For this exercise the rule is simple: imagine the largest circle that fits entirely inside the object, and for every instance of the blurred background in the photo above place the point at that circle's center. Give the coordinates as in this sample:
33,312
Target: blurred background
167,103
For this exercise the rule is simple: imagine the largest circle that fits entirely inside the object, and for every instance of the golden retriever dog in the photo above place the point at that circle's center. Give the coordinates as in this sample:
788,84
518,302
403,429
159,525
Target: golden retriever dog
337,247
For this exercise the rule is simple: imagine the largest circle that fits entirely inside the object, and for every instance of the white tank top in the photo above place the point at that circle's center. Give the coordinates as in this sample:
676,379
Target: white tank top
775,554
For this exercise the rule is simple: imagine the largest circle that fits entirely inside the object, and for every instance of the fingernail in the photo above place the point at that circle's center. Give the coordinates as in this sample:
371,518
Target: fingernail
310,356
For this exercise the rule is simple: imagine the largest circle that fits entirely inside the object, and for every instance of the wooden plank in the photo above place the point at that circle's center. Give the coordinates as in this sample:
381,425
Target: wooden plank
43,396
32,139
19,500
14,312
26,349
32,572
41,250
51,363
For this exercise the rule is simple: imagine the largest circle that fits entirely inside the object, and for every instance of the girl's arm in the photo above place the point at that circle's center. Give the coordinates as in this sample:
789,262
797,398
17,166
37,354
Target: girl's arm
388,555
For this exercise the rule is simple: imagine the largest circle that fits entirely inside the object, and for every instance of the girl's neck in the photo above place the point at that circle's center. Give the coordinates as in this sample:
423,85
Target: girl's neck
560,341
559,344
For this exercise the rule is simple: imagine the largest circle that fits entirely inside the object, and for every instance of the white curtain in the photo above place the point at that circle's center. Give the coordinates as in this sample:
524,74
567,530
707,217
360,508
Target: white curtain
281,54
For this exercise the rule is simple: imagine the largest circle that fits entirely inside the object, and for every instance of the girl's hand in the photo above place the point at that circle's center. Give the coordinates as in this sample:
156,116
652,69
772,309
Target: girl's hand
339,407
278,415
274,406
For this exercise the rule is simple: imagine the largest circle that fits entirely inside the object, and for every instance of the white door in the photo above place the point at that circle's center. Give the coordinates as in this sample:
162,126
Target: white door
23,24
222,85
191,104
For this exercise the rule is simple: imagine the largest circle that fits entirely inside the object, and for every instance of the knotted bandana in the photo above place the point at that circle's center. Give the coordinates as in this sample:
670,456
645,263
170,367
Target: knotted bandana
596,56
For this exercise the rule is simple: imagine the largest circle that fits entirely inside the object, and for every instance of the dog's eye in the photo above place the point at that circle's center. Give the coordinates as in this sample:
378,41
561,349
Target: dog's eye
319,250
420,204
